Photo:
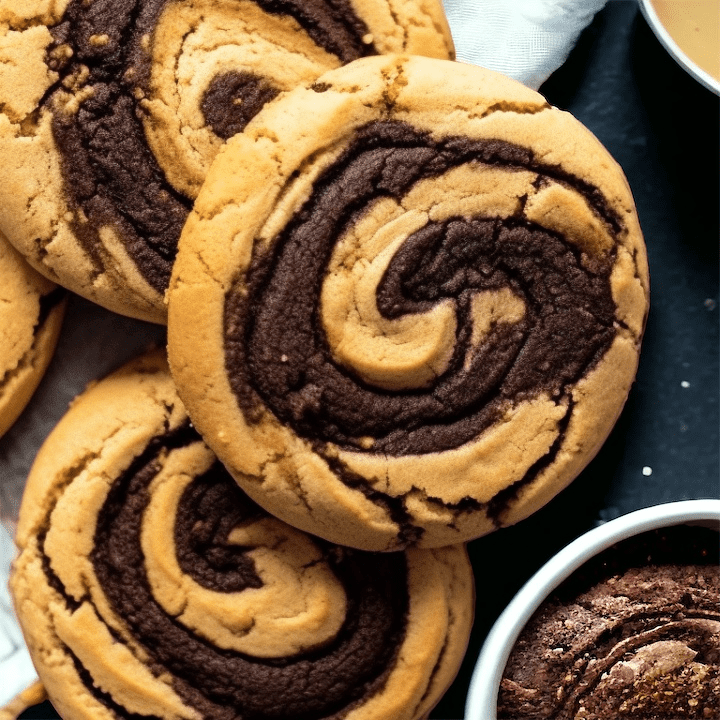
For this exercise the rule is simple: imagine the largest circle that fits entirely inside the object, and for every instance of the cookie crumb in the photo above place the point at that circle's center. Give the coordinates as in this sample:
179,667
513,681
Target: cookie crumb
65,52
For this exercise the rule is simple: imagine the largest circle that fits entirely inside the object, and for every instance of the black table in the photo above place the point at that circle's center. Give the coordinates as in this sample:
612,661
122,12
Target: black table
662,127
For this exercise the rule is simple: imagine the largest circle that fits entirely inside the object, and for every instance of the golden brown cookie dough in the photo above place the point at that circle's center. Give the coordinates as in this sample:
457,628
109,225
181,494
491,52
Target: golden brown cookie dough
112,111
31,314
427,323
148,584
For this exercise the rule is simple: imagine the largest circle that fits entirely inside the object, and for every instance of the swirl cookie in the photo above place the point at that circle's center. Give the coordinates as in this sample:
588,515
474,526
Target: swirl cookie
634,634
112,111
428,321
148,584
31,314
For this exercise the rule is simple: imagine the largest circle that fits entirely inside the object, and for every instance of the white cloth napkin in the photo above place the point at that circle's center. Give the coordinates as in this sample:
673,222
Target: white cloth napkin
16,668
525,39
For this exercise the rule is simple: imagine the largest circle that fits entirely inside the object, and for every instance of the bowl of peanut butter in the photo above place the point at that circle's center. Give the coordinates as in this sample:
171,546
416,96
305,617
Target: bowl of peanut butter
690,32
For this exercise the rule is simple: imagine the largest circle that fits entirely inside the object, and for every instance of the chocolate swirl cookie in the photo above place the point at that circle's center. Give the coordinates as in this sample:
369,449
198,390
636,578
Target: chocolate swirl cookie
148,584
31,314
112,110
634,634
427,323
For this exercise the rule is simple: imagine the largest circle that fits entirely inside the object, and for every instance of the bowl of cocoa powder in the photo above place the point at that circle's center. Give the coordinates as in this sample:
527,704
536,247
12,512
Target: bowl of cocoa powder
623,622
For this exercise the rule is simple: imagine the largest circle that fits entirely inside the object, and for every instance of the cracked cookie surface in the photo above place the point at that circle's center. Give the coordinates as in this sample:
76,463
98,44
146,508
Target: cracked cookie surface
31,314
148,584
428,322
112,112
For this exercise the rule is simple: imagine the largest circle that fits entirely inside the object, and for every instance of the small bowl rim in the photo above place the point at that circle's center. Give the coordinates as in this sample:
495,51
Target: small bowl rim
702,76
481,701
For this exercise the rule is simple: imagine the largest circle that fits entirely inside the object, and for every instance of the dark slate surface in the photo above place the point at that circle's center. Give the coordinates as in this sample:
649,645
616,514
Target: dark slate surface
662,127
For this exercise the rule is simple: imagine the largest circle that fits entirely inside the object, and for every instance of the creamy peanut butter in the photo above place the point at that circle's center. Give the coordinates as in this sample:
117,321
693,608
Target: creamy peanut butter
695,26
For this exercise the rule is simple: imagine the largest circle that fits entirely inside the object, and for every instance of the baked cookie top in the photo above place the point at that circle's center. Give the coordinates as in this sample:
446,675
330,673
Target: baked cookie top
148,584
31,314
112,112
428,321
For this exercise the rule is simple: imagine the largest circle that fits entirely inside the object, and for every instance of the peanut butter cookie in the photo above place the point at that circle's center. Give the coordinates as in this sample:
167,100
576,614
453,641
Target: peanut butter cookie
427,322
148,584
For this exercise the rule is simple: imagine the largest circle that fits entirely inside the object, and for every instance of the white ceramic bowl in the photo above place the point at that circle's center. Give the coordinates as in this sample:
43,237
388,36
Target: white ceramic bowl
485,683
704,78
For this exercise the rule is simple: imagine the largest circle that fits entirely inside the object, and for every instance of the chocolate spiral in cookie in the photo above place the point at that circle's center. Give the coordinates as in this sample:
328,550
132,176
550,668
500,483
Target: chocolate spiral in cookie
426,306
635,633
140,94
111,170
284,351
166,592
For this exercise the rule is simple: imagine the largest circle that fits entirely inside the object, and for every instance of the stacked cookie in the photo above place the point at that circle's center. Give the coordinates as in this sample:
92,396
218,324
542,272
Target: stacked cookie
427,322
405,299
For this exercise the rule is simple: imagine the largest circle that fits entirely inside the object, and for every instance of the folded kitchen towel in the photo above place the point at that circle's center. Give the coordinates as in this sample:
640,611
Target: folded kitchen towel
525,39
